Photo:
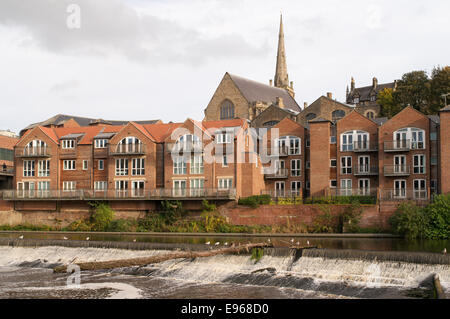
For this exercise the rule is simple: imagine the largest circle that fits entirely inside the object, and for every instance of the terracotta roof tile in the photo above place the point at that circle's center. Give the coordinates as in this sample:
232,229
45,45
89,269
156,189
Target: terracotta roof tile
8,142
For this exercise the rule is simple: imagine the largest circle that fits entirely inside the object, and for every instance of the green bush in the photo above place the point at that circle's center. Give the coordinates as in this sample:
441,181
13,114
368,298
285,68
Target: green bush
79,225
102,216
255,201
341,200
120,225
438,218
349,219
207,207
409,220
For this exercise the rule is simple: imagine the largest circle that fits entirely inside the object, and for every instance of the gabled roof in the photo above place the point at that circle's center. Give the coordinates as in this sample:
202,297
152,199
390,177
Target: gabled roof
258,92
365,91
286,119
161,131
82,121
406,109
7,142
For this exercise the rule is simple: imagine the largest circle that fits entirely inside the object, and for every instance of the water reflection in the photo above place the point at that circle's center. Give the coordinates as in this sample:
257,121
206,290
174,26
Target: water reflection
393,244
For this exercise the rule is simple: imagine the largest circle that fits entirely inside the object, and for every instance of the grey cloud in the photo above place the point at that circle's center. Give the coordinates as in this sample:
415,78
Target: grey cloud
64,86
113,27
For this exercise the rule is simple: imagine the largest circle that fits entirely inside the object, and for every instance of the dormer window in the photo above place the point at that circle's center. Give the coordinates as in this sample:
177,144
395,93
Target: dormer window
356,100
373,98
67,144
223,138
101,143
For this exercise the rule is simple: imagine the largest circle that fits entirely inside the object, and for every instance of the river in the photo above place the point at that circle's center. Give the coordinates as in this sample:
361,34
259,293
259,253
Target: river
26,272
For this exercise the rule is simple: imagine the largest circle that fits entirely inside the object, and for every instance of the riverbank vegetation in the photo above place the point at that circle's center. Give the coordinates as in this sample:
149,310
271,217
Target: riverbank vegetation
255,201
430,222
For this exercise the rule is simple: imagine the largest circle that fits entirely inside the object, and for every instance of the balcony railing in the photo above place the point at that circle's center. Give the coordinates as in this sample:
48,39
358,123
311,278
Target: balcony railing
397,170
35,151
365,170
187,147
353,192
8,171
279,173
136,194
397,146
365,146
403,194
127,149
280,151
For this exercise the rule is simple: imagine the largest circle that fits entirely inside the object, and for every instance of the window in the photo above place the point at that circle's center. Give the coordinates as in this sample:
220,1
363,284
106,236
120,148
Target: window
433,136
121,167
68,144
223,138
225,183
188,142
179,188
138,166
101,165
69,165
197,186
364,187
333,140
310,116
44,168
36,147
137,188
296,167
433,160
352,140
197,164
400,164
296,187
279,189
130,144
179,166
338,114
346,165
373,98
100,186
363,164
333,183
69,186
43,186
399,189
370,115
308,142
291,142
308,165
227,110
308,185
420,190
224,161
85,165
346,187
433,186
101,143
333,162
356,100
419,164
270,123
404,136
121,188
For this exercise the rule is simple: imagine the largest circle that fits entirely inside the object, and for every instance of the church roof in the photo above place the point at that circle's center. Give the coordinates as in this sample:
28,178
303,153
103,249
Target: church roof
255,91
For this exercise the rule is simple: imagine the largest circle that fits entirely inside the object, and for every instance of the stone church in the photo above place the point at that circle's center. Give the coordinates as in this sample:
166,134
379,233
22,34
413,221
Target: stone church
238,97
265,105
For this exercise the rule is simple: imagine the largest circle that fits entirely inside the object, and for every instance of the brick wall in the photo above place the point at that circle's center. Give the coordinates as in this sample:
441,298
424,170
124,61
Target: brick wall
373,216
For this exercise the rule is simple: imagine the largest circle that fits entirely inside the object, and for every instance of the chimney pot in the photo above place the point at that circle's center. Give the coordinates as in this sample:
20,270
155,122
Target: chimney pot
329,95
374,82
305,104
271,82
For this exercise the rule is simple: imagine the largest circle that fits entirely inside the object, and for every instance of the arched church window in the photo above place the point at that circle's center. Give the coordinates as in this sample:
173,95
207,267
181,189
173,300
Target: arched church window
370,115
338,114
310,116
227,110
270,123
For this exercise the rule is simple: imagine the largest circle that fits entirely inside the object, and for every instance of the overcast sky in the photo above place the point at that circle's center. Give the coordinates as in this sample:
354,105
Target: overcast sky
163,59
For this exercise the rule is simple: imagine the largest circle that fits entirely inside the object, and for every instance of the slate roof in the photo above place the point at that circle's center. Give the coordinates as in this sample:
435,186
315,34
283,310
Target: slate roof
255,91
365,91
82,121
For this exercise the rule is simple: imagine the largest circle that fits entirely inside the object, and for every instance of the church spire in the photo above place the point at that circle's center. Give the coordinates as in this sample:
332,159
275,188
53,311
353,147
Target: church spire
281,76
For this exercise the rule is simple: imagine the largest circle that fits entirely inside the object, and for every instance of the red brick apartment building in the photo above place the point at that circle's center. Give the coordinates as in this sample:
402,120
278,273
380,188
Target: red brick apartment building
7,160
405,157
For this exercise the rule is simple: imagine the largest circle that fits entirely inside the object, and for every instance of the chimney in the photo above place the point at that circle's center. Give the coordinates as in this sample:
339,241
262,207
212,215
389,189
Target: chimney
292,84
305,105
352,87
271,82
374,83
280,103
330,95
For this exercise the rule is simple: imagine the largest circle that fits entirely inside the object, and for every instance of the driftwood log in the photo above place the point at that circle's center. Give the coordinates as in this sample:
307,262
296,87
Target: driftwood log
142,261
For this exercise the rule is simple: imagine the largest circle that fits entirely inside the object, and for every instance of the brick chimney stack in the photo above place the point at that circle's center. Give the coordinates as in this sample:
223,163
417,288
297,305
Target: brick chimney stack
374,82
352,86
271,82
329,95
